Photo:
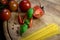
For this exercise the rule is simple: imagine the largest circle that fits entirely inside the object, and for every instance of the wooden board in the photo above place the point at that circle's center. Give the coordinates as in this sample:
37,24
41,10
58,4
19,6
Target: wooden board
52,15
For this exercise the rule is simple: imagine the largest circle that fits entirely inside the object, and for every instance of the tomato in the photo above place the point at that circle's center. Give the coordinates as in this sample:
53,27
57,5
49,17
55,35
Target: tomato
20,20
4,2
5,15
13,5
38,12
24,5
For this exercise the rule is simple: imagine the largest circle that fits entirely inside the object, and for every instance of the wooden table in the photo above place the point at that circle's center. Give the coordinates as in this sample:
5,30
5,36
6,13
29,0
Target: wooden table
52,15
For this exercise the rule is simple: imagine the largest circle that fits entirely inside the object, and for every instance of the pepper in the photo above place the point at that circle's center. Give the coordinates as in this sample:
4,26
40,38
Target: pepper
23,28
25,16
20,20
30,13
27,21
30,23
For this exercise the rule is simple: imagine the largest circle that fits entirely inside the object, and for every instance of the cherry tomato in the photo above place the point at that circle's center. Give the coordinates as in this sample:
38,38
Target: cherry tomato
5,15
20,20
4,2
38,12
24,5
30,24
13,5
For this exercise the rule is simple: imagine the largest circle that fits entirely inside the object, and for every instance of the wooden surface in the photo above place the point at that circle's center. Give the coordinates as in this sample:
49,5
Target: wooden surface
52,15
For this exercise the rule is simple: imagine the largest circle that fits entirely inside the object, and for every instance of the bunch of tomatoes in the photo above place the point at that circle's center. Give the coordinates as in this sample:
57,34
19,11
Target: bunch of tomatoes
8,6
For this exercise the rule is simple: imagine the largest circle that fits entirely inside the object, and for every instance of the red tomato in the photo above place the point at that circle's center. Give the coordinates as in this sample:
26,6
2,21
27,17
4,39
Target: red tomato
38,12
13,5
4,2
5,15
20,20
30,24
24,5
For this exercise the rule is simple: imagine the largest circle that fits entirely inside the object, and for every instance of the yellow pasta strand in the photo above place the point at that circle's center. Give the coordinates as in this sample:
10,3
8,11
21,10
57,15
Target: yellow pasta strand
43,33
